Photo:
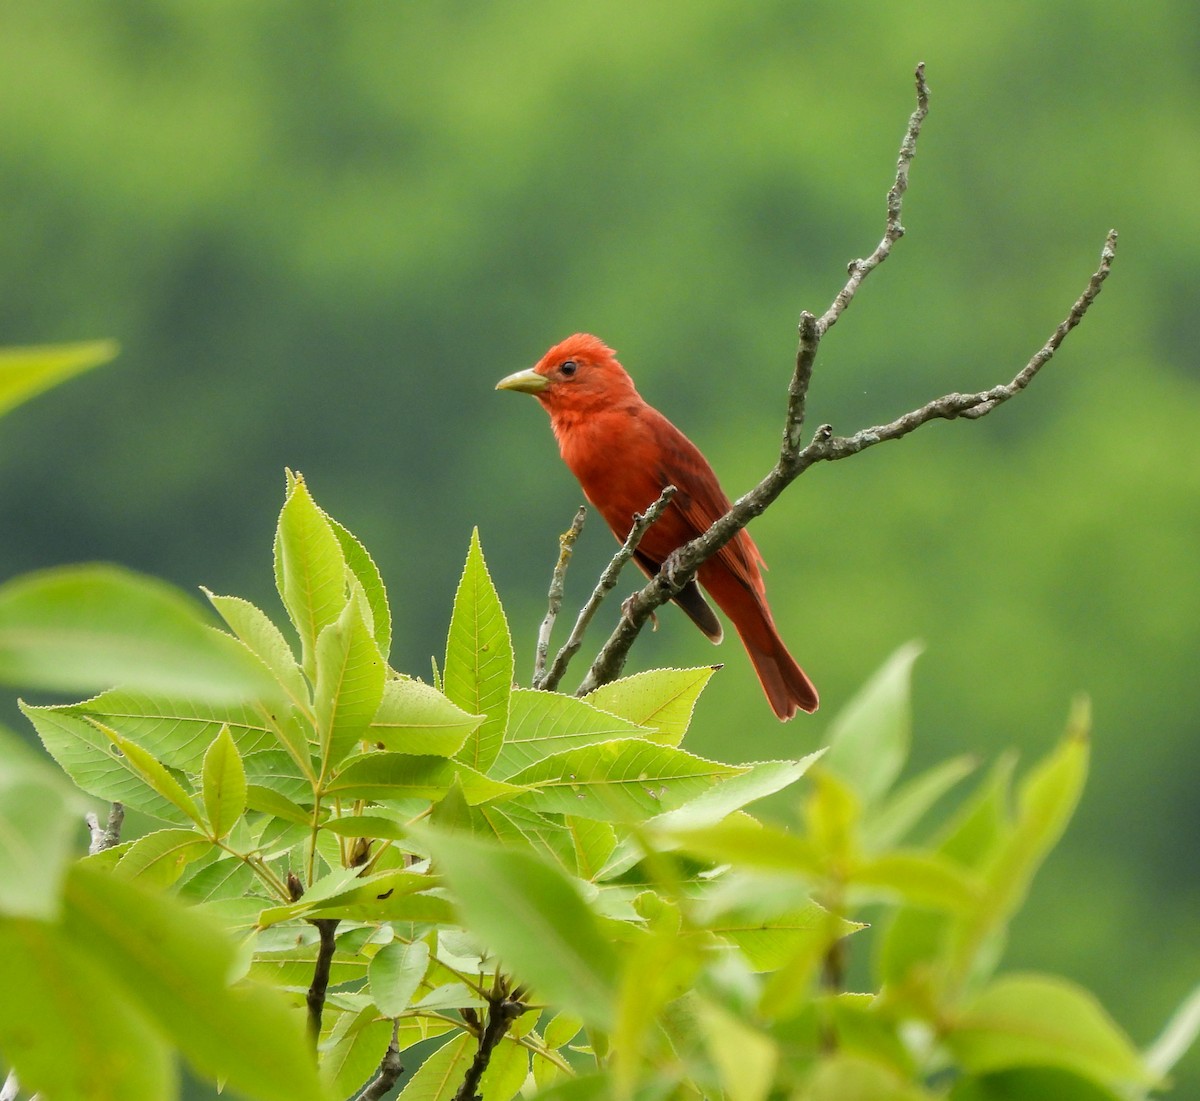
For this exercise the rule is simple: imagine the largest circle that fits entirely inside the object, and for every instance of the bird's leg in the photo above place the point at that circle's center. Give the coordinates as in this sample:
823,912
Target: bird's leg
670,571
625,605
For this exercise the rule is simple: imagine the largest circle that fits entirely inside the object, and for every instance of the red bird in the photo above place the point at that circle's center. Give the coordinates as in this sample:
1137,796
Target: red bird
624,452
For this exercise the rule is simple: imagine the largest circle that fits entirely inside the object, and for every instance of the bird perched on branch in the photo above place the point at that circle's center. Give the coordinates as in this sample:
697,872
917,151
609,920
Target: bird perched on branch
624,453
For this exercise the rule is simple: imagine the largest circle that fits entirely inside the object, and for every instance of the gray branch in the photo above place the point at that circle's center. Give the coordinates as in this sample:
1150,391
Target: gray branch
642,522
566,545
390,1069
104,837
681,566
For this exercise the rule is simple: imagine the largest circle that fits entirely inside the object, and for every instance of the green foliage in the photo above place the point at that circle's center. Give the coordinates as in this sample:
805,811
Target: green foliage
26,372
477,849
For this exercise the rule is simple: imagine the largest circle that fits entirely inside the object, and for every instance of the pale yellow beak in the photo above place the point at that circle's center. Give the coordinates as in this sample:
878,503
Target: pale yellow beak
526,382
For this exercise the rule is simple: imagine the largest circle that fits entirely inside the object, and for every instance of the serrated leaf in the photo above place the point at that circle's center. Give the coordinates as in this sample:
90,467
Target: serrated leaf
173,963
268,801
362,565
921,878
159,858
438,1078
54,989
353,1051
1024,1020
519,827
593,842
381,897
256,631
86,628
414,717
381,776
661,699
534,918
544,723
897,816
349,686
154,773
869,738
223,784
366,825
748,844
394,974
175,729
310,570
478,672
625,780
89,757
506,1072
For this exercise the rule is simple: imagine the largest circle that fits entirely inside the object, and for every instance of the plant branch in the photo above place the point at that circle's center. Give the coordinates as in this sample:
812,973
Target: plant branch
390,1069
502,1011
681,566
107,836
642,522
566,545
327,927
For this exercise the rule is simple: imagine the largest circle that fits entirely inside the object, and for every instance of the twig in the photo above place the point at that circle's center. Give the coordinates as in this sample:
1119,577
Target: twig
502,1011
642,522
390,1069
103,837
11,1088
566,544
681,566
327,927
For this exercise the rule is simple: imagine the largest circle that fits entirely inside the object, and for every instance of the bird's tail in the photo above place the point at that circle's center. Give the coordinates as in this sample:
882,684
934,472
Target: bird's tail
786,685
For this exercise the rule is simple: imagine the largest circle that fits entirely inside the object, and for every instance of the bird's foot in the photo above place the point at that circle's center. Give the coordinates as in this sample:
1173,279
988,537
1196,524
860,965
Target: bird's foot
627,611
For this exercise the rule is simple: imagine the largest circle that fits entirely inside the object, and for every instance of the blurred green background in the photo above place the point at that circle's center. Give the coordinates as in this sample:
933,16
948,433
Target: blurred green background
322,231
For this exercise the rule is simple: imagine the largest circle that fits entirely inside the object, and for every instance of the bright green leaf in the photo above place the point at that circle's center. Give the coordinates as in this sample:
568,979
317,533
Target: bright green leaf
662,699
366,825
362,565
394,974
154,773
438,1078
381,776
158,859
744,1057
1033,1084
625,780
851,1078
891,822
310,569
534,918
869,738
265,641
414,717
350,677
478,672
1032,1020
920,878
224,784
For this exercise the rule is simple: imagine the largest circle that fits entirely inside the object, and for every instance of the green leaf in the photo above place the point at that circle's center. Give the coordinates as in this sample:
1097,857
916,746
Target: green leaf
154,773
39,820
534,918
1031,1020
624,780
366,825
26,372
310,569
345,894
869,738
744,1058
85,628
263,639
350,676
414,717
749,844
68,1030
269,801
354,1049
172,963
921,878
223,784
381,776
438,1078
175,729
898,814
89,757
1032,1084
851,1078
395,973
362,565
544,723
506,1072
662,699
769,938
478,673
158,859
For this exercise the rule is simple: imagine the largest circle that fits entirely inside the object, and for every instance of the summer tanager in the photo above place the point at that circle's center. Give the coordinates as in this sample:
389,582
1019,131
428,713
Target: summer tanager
624,452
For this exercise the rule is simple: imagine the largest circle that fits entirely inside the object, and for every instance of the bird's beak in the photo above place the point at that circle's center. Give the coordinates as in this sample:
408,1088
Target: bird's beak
527,382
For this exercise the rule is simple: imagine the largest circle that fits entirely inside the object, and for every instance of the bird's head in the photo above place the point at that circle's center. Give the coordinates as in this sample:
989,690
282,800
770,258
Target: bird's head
578,375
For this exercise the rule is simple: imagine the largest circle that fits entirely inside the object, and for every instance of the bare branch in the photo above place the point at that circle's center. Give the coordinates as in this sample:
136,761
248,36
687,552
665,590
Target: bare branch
502,1011
681,566
566,545
390,1069
327,927
642,522
109,835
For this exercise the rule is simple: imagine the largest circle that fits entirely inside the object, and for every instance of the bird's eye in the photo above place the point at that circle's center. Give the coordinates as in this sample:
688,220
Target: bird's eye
569,368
